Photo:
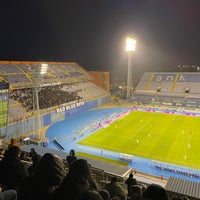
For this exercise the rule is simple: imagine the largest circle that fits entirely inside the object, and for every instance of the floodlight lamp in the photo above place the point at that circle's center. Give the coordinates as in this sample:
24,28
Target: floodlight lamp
130,44
27,138
44,65
43,69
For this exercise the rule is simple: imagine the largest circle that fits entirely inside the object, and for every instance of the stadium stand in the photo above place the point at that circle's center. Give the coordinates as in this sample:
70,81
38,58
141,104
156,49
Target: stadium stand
9,68
35,97
29,72
103,172
103,169
16,78
171,89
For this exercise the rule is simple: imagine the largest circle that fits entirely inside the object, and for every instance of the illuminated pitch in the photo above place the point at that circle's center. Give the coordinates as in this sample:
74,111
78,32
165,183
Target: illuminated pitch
171,138
4,97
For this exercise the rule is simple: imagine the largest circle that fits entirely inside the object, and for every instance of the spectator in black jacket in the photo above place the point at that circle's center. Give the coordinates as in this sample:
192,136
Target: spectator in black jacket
12,170
115,189
77,184
49,175
32,153
155,192
71,157
129,182
35,162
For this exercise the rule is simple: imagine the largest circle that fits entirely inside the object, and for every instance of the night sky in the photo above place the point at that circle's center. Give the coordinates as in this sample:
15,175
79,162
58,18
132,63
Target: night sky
92,32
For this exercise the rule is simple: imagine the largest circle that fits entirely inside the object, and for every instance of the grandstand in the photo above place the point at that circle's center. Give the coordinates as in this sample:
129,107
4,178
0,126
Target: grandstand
66,91
169,89
38,100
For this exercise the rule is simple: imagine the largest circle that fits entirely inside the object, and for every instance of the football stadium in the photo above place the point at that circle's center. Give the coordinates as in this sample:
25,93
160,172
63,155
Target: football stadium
56,106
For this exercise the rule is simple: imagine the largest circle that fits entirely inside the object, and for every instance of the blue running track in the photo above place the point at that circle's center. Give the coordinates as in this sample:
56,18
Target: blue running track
67,134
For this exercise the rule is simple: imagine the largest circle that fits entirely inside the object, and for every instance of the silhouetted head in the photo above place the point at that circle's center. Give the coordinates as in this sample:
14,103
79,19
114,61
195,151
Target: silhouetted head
136,191
13,142
51,169
13,151
80,169
72,152
131,175
155,192
32,150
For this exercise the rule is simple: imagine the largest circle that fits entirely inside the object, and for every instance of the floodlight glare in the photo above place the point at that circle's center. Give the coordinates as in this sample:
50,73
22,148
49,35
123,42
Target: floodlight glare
130,44
43,69
130,47
44,65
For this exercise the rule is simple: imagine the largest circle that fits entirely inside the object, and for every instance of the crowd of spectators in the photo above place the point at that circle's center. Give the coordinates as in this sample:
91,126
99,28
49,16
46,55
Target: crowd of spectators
49,177
53,95
47,96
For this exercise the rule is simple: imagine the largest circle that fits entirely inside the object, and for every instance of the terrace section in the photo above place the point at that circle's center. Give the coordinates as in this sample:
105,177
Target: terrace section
179,85
16,78
27,74
9,68
86,90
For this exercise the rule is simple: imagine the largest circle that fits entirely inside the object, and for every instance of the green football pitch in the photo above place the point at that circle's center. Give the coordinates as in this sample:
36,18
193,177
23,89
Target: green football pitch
170,138
3,118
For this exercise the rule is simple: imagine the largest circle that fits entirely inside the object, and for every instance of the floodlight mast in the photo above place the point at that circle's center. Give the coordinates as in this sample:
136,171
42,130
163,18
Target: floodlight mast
37,88
130,48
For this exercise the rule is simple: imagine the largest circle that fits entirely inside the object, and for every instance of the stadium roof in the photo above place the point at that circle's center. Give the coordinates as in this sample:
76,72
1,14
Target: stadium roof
182,186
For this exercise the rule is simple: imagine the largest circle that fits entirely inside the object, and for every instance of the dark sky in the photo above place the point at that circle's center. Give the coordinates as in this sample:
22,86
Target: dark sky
92,32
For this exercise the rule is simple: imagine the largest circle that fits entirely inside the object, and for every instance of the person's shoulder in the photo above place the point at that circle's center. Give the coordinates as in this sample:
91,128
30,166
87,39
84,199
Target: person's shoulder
127,180
134,180
68,157
8,193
